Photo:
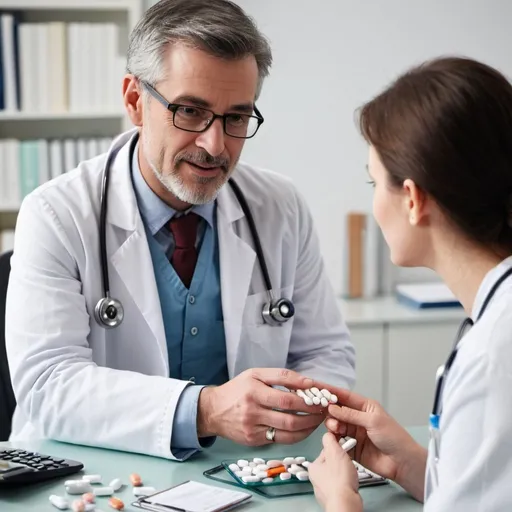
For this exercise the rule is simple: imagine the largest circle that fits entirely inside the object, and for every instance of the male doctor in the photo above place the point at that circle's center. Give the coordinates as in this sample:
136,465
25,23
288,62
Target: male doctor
192,358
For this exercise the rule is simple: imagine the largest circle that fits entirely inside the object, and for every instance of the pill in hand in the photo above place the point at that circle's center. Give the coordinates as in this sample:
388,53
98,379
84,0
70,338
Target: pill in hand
349,444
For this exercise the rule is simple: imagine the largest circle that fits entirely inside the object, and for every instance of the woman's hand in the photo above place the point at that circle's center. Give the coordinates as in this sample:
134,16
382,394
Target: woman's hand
334,478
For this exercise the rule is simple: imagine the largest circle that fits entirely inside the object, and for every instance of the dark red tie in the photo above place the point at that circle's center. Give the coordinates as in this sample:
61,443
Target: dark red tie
184,257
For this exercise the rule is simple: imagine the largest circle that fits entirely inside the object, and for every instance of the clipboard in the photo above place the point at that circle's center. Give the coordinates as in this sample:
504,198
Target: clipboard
196,498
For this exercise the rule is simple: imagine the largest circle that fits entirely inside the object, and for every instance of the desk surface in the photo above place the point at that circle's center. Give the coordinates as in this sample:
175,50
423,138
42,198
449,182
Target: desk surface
161,473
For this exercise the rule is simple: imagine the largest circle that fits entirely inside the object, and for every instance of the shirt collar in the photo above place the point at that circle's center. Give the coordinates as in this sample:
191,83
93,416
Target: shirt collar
155,212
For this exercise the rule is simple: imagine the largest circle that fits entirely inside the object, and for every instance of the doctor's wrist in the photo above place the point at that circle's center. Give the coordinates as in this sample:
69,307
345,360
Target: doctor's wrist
411,471
205,408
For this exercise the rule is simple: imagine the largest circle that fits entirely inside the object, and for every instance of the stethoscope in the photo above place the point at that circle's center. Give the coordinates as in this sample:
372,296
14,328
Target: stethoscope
109,312
442,374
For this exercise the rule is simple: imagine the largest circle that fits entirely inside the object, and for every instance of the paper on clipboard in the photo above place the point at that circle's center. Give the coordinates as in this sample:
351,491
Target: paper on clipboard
193,496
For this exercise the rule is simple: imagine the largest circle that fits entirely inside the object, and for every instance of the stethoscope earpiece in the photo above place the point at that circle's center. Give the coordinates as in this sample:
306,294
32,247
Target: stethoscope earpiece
109,312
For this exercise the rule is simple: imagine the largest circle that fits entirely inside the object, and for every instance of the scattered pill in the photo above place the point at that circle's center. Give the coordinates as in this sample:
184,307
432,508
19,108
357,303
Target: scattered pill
306,464
300,460
116,503
261,474
136,480
267,480
92,479
72,482
326,393
262,467
296,467
302,475
143,491
324,401
116,484
88,497
59,502
103,491
348,445
285,476
288,461
252,464
90,507
295,470
250,479
274,463
242,463
257,460
234,467
333,399
247,470
78,506
79,487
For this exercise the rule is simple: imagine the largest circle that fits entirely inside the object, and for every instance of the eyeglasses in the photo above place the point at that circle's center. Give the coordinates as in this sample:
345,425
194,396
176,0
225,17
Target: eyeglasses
197,119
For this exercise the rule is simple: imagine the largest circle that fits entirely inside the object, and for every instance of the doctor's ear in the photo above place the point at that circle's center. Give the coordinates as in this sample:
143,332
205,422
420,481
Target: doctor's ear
133,99
416,203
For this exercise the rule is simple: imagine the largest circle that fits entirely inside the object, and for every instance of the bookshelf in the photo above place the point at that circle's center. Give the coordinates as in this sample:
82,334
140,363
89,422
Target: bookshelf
76,99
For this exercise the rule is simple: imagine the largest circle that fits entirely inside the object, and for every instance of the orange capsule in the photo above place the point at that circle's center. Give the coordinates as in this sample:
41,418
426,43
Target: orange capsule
276,471
136,480
88,497
116,503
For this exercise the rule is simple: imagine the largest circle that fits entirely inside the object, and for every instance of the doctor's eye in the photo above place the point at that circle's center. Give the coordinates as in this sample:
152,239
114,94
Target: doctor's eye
189,112
237,120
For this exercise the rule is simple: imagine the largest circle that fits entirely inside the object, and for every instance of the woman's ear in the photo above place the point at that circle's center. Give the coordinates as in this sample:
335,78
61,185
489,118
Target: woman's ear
415,202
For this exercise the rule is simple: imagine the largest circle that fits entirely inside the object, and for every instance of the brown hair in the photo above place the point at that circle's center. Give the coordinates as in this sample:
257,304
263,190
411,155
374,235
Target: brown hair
447,125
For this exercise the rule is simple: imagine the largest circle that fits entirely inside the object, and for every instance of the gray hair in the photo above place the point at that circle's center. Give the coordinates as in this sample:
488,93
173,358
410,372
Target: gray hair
218,27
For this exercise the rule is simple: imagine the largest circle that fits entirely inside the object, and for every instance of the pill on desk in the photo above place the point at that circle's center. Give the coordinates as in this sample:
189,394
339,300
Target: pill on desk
324,401
299,460
309,393
116,503
326,393
90,507
296,467
306,464
252,464
261,474
243,463
240,474
136,480
295,470
302,475
78,506
285,476
72,482
59,502
333,399
348,445
276,471
143,491
257,460
267,480
274,463
103,491
316,392
88,497
92,479
79,487
247,470
250,479
262,467
234,467
116,484
288,461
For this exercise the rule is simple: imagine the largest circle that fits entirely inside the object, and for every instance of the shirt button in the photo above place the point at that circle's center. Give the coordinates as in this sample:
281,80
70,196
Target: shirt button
191,299
193,331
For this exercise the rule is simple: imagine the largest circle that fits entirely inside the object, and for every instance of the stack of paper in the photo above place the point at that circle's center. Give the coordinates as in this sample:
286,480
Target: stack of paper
426,295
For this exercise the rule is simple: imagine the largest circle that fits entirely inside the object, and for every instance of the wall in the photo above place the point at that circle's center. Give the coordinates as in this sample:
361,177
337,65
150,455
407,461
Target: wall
332,55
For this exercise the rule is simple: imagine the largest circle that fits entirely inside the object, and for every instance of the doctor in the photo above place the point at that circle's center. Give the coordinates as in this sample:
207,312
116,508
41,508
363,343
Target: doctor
440,160
189,355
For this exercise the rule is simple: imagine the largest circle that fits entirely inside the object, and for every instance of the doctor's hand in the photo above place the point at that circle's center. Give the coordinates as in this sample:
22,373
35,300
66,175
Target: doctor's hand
383,446
334,478
244,408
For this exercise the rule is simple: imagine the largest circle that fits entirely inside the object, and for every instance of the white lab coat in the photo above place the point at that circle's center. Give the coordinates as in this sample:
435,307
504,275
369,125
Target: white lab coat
475,458
76,382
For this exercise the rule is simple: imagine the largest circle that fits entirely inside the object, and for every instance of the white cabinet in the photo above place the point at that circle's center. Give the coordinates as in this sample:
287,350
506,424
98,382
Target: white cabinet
398,351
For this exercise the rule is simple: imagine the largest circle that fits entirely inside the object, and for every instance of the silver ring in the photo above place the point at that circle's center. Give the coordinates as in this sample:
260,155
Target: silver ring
270,434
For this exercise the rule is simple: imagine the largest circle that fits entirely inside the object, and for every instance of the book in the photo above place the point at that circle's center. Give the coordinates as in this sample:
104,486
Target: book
426,295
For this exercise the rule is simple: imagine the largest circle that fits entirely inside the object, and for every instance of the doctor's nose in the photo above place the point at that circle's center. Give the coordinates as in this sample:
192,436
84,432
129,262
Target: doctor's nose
213,139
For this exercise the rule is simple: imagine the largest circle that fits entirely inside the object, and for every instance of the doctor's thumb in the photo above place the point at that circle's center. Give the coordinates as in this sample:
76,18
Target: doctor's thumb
350,416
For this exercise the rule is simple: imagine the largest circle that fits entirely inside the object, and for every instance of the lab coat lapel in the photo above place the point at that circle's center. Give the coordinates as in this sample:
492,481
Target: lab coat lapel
237,259
132,258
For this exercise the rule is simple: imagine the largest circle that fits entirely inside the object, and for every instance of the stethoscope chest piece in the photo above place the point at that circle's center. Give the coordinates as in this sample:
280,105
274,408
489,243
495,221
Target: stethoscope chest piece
277,312
109,312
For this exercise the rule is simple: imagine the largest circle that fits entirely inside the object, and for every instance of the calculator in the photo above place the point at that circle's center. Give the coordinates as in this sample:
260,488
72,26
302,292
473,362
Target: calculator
20,467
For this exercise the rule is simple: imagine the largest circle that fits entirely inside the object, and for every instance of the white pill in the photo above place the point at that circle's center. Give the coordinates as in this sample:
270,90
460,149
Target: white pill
72,482
302,475
242,463
324,401
308,401
257,460
92,479
143,491
301,393
252,464
267,480
232,467
59,502
250,479
90,507
247,470
240,474
306,464
116,484
288,461
103,491
333,399
316,392
285,476
299,460
80,487
326,393
261,474
348,445
316,400
262,467
308,392
274,463
295,470
296,466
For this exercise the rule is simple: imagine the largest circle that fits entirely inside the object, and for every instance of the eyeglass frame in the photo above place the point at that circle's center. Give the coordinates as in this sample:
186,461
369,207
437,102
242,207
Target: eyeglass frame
173,107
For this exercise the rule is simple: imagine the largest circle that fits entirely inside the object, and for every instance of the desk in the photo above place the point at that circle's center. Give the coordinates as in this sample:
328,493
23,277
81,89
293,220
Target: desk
160,473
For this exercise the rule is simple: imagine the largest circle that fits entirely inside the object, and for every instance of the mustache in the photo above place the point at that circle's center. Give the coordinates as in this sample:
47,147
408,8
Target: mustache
203,158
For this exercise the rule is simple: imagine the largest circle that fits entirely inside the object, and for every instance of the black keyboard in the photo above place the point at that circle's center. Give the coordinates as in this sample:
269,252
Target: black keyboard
23,467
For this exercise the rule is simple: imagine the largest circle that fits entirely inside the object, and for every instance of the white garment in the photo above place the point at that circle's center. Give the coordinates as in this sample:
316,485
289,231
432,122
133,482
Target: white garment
475,458
76,382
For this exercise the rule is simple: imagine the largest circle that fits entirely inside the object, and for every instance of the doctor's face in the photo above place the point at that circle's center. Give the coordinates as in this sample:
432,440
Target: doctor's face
194,166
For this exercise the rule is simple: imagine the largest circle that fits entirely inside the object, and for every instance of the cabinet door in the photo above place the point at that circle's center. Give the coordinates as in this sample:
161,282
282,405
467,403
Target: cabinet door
368,342
415,351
